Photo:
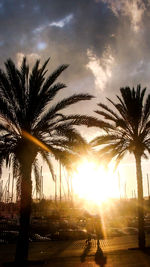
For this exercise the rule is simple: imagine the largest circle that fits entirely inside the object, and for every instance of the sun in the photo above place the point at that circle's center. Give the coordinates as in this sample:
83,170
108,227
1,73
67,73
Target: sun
95,183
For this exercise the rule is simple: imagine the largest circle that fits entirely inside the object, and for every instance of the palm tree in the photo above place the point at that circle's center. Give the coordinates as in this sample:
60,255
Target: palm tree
128,129
32,124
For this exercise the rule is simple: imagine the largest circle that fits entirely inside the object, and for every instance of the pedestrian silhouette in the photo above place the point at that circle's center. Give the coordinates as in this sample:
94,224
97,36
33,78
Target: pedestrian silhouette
98,228
85,252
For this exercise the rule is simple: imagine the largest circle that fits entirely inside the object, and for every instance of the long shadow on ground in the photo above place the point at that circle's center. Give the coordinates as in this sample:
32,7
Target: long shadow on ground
100,259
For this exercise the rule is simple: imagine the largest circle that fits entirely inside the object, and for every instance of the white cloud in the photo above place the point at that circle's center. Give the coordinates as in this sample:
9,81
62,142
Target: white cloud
40,28
134,9
61,23
101,68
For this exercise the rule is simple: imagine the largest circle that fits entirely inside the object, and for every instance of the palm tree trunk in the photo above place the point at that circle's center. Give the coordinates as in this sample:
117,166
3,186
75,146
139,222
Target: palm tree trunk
141,233
25,211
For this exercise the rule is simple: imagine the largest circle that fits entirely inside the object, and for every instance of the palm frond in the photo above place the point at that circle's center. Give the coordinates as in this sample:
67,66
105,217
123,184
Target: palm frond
104,139
108,109
45,99
46,158
61,105
88,121
37,175
52,78
146,110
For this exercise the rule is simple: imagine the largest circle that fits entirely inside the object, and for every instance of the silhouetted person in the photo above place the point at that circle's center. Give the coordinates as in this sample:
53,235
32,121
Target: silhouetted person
90,229
98,229
85,252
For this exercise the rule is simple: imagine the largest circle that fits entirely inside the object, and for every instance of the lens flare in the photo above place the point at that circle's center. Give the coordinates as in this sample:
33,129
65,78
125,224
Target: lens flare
35,140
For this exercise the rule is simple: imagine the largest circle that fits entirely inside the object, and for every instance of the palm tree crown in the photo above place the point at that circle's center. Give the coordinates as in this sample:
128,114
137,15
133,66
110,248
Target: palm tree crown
26,106
128,129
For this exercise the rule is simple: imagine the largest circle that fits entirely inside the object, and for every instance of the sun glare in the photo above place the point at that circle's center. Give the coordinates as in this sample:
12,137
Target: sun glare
95,183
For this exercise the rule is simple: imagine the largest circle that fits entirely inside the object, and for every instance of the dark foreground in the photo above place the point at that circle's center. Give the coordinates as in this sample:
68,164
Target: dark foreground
115,252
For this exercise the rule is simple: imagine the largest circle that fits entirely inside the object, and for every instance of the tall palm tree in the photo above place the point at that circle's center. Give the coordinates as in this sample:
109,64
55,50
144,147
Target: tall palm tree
31,123
128,129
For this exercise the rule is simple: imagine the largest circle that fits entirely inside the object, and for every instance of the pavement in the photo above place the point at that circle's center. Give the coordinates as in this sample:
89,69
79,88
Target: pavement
115,252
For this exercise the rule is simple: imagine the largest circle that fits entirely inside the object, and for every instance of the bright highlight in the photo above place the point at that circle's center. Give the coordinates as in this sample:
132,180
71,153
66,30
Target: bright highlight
95,183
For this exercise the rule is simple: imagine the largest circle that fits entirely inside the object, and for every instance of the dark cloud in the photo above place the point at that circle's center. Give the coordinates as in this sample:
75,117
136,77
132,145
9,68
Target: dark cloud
27,23
110,37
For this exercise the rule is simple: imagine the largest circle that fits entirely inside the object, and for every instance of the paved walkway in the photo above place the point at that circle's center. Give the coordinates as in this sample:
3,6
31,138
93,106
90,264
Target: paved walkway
123,258
115,252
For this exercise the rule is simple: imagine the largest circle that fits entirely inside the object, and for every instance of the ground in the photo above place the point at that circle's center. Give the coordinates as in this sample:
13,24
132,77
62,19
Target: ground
114,252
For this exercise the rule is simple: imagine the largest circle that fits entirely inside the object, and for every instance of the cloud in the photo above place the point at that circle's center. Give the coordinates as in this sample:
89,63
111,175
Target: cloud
63,31
101,67
134,9
61,23
31,58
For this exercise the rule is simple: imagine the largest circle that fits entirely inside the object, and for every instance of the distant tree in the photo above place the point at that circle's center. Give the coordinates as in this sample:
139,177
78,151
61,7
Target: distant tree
128,129
32,124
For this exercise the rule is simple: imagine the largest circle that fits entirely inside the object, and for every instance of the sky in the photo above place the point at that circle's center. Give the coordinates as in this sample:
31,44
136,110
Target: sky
105,42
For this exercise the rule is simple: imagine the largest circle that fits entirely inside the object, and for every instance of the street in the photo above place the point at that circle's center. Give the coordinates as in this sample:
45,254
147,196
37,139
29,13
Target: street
114,252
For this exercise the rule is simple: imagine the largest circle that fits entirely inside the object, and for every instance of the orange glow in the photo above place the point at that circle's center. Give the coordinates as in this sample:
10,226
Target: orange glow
95,183
35,141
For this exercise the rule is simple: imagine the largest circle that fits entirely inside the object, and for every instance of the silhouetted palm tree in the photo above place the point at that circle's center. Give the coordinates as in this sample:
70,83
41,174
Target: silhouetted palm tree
32,124
128,129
